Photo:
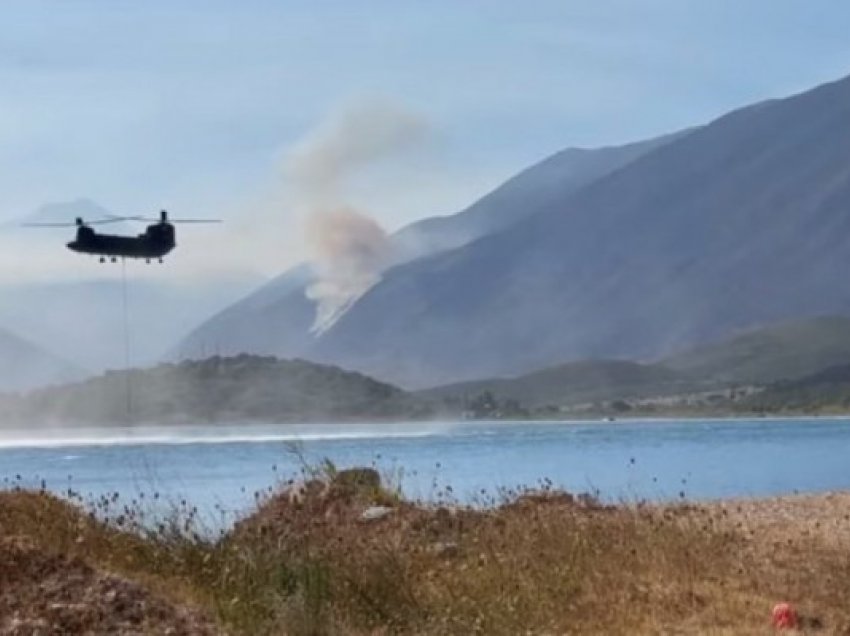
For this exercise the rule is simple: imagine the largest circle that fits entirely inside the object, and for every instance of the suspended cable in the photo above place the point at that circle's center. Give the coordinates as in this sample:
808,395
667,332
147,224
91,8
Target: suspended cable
126,312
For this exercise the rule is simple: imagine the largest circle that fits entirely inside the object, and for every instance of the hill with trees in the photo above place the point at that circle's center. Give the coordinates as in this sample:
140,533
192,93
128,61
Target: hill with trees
774,358
827,391
784,351
225,390
571,383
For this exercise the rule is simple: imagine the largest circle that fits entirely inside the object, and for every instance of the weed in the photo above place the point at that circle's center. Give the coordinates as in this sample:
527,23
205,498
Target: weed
523,561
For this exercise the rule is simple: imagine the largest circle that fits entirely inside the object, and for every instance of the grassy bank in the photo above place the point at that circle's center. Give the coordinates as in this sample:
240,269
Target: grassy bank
340,554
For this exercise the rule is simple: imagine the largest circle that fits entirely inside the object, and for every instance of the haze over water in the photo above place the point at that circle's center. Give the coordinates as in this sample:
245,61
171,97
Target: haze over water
632,460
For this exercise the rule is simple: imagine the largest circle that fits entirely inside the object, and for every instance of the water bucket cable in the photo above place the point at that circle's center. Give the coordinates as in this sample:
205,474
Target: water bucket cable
126,317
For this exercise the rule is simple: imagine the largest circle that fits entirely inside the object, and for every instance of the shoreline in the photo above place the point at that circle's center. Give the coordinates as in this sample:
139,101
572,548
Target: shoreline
309,431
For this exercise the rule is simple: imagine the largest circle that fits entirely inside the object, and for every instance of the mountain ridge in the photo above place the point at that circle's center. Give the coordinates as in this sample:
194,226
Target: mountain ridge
688,242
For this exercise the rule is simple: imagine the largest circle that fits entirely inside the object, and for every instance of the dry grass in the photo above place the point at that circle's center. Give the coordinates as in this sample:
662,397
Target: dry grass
308,563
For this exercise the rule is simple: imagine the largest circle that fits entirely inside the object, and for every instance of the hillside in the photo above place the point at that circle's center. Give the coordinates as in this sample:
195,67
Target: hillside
524,194
273,320
216,390
825,391
573,383
24,365
276,319
785,351
737,224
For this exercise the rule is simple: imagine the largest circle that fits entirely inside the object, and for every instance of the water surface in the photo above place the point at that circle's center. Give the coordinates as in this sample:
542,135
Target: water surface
222,467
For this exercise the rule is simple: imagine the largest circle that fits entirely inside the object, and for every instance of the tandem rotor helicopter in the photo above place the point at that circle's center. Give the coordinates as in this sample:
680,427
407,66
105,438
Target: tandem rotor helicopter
156,241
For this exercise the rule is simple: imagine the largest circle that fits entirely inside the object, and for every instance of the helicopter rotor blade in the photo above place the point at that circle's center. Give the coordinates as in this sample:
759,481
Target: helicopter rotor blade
48,224
111,218
104,221
78,222
195,221
116,218
152,220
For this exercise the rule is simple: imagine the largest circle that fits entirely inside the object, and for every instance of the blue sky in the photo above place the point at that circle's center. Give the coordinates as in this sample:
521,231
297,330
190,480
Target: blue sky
191,105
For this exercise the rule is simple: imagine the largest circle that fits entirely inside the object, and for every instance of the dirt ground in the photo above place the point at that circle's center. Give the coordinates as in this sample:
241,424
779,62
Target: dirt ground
46,594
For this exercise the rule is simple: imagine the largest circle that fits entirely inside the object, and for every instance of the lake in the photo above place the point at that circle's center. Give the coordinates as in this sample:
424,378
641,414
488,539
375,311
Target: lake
220,468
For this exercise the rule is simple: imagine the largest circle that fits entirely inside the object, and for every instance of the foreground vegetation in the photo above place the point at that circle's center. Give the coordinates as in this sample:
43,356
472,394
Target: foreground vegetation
341,554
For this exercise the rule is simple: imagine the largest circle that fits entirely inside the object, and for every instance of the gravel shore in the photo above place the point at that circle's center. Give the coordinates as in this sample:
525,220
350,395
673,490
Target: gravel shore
821,519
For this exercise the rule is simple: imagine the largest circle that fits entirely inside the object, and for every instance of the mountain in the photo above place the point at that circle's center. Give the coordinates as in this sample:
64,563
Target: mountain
786,351
531,190
739,223
217,389
24,366
573,383
273,320
276,319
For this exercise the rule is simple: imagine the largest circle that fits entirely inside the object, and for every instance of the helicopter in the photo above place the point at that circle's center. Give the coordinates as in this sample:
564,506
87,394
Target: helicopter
156,241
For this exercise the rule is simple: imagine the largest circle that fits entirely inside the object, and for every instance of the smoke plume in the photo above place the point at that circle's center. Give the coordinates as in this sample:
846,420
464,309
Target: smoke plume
350,251
348,248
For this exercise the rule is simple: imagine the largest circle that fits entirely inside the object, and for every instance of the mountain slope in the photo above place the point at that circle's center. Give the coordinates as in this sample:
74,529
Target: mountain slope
532,190
572,383
276,319
273,320
739,223
825,391
24,366
785,351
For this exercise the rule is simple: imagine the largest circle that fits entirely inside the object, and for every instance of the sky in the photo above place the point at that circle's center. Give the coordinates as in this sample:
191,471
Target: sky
195,106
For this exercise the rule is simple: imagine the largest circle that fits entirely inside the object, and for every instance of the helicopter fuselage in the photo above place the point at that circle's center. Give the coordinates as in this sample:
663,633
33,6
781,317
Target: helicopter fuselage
157,241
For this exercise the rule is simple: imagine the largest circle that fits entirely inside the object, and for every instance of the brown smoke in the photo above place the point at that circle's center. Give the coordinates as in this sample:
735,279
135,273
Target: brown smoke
349,250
